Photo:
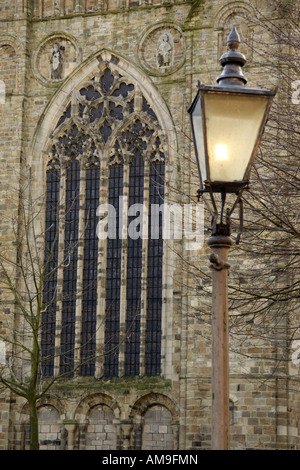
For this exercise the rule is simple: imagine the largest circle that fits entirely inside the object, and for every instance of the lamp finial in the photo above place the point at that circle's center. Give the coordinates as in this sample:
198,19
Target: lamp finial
233,40
232,61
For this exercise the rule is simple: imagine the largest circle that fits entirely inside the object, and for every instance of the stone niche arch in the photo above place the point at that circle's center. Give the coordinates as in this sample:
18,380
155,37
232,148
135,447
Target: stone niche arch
97,419
240,15
8,69
67,47
156,423
52,433
10,52
51,430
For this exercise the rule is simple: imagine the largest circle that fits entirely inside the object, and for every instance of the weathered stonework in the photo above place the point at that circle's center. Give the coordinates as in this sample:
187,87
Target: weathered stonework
153,413
162,49
68,58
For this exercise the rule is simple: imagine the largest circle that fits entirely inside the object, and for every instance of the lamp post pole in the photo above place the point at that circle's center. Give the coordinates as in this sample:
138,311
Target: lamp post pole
220,245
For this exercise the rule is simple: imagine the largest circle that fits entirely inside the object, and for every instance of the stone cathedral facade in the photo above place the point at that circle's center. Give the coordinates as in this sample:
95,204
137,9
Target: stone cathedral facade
93,98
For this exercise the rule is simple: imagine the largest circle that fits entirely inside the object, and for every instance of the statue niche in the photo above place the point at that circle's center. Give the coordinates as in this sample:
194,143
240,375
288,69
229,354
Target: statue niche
165,51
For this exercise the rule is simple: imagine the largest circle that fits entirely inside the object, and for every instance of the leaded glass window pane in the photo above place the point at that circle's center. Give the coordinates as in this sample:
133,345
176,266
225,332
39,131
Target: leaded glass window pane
113,278
154,278
90,274
70,270
134,273
50,284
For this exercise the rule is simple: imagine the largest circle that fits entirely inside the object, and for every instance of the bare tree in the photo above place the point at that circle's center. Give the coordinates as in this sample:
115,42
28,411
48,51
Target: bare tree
26,266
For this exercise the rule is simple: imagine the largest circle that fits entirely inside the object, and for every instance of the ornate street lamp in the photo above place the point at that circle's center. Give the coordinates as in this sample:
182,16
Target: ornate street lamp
227,123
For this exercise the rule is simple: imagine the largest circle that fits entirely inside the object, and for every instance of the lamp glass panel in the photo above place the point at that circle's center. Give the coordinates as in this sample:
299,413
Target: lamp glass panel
198,133
232,124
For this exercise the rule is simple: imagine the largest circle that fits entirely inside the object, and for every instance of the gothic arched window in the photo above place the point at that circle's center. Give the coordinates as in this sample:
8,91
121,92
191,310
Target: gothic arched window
103,293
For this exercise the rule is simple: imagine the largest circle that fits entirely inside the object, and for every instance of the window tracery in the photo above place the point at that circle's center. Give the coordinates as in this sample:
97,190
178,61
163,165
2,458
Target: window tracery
107,145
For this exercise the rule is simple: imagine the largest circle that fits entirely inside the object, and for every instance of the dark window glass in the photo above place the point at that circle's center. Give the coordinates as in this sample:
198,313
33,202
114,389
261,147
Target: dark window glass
154,279
50,284
90,258
134,273
113,278
70,270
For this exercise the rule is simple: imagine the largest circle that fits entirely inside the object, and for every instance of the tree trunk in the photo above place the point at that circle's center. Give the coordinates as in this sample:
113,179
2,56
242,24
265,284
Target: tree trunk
34,426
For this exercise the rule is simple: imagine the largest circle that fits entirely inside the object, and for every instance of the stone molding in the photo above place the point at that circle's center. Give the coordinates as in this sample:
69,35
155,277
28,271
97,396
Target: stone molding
70,52
151,50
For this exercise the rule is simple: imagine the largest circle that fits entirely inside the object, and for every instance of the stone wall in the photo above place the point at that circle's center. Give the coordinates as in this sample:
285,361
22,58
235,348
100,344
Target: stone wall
173,411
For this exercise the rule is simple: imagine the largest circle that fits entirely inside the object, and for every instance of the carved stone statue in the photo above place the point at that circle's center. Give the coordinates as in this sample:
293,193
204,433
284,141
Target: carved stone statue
165,51
56,62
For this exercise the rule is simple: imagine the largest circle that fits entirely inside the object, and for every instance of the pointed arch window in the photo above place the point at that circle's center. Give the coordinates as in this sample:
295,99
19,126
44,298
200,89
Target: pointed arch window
103,302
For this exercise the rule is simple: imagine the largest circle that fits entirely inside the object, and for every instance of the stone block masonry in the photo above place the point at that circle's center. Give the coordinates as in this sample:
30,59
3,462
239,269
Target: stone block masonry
47,50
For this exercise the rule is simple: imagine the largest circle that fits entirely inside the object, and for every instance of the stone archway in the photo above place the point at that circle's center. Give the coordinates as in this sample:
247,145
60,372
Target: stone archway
155,419
52,433
97,419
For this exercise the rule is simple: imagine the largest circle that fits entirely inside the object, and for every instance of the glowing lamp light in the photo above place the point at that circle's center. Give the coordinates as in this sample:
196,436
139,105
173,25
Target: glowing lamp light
221,152
227,125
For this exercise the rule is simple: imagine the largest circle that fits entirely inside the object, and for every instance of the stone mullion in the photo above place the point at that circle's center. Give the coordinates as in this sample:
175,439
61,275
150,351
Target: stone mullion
80,259
60,270
124,258
101,288
167,289
63,7
78,6
99,5
146,234
40,8
58,10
